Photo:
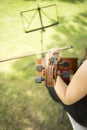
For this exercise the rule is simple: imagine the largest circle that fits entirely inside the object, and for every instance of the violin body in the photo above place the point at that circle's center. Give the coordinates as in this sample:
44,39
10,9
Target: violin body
65,67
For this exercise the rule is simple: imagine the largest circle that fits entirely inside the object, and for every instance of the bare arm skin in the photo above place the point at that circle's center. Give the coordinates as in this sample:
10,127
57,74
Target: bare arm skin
77,88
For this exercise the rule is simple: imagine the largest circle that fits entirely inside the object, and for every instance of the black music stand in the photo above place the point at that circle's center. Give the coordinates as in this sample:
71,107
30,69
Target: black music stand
29,16
38,14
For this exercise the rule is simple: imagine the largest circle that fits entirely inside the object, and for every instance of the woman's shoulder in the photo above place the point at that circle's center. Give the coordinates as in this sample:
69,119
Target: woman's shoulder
84,62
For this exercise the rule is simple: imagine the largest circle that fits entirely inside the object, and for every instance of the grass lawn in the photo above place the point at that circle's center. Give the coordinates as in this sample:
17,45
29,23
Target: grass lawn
25,105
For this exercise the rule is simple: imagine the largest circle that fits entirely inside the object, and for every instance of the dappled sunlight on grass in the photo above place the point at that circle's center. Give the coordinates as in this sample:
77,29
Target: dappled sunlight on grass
24,104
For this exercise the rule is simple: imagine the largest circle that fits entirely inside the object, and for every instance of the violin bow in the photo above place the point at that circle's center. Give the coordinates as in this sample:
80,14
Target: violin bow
32,54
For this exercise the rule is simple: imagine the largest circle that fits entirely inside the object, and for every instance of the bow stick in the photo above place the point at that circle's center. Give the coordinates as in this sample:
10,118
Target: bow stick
32,54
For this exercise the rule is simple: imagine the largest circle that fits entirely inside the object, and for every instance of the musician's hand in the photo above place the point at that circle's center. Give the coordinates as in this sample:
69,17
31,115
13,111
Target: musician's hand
54,51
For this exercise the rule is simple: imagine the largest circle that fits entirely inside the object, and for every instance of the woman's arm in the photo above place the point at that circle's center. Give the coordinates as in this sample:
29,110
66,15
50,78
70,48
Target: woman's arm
77,88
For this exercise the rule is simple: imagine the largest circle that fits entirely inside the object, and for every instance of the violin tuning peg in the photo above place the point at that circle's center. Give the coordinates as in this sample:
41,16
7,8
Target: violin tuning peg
52,60
39,67
39,79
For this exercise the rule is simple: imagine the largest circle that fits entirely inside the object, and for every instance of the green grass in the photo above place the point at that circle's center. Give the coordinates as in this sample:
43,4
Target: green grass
25,105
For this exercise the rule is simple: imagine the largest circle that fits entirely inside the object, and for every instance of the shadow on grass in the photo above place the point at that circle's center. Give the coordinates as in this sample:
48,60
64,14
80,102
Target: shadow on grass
70,1
73,32
73,1
23,107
